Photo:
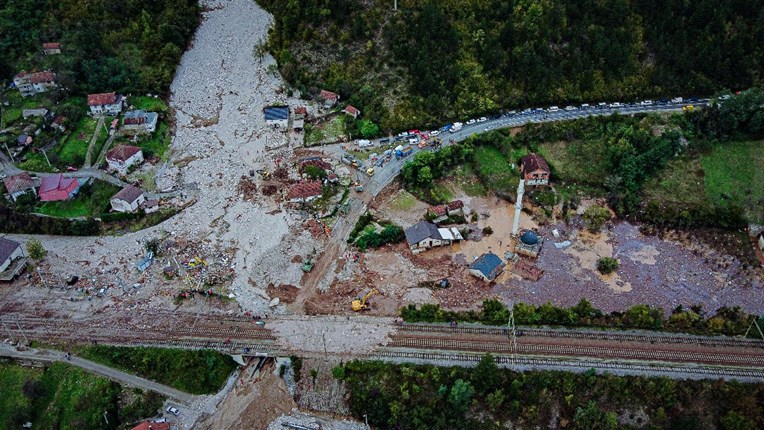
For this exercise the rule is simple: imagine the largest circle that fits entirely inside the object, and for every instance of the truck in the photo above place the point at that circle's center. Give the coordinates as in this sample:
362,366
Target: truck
447,127
364,143
404,152
456,127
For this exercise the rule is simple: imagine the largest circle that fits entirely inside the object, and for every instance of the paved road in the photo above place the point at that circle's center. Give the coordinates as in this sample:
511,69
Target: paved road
50,356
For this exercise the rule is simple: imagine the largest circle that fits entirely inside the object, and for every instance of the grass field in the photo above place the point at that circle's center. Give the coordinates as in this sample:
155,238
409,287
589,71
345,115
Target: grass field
36,163
195,372
330,131
577,161
733,174
91,200
63,397
149,104
466,178
159,142
494,170
679,184
72,151
404,201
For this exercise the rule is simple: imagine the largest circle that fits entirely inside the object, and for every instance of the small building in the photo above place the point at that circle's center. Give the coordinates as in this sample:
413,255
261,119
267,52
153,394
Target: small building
105,104
24,139
352,111
26,113
140,121
535,170
425,235
12,260
300,112
529,244
304,192
150,206
328,99
56,188
127,199
30,84
487,267
17,185
440,213
277,116
51,48
122,157
59,123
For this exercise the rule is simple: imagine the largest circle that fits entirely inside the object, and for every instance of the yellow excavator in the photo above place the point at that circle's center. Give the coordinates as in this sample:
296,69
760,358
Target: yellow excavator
360,305
264,174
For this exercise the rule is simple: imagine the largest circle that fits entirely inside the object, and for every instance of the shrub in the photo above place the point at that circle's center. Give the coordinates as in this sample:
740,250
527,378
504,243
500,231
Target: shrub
607,265
595,216
487,230
36,250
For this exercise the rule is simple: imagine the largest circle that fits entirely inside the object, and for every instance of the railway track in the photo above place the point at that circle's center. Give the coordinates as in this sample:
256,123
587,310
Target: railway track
579,351
586,334
707,372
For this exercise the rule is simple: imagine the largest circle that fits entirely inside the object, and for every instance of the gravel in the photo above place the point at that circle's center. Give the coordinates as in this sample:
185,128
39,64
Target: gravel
314,422
352,334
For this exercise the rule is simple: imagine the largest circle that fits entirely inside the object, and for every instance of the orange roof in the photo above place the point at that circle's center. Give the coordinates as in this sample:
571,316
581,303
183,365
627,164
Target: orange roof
328,95
153,426
122,152
52,45
301,109
534,162
102,99
352,110
305,190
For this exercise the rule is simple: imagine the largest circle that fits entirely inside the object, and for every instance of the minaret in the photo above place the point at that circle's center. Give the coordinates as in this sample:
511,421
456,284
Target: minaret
518,207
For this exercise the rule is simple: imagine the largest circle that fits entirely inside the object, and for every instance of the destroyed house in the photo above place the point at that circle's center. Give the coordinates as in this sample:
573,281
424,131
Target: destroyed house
17,185
12,260
304,192
329,99
277,115
425,235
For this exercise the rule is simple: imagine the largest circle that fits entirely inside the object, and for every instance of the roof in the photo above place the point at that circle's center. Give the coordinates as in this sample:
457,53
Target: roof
352,110
304,190
22,138
129,194
446,234
51,45
437,210
420,231
39,77
7,247
135,117
276,113
301,109
534,162
59,120
457,204
488,264
149,203
146,425
315,162
102,99
529,238
122,153
328,95
56,182
18,183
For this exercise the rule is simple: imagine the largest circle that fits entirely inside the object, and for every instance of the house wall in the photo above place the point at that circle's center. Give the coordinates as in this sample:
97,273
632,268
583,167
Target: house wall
478,274
537,177
123,167
16,254
112,109
429,243
120,205
277,122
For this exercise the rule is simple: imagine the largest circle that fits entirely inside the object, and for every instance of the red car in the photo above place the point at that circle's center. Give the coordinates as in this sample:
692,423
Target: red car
71,169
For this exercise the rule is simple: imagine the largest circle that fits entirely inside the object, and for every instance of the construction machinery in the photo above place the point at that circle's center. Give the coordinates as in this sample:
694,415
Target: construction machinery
361,304
371,171
264,174
359,187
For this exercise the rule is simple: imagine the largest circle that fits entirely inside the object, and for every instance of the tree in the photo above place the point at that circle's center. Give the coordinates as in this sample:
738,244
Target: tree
368,129
593,418
607,265
460,395
486,376
315,172
595,216
36,250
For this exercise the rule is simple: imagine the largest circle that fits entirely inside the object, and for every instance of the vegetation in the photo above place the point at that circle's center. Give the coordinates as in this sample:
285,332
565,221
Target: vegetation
126,47
195,372
595,216
23,223
410,396
419,173
157,144
390,233
607,265
435,61
91,200
63,397
725,321
36,250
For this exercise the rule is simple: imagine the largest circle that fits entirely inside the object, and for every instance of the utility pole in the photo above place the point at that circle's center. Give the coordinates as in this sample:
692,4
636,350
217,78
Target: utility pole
511,330
26,341
46,157
9,152
395,5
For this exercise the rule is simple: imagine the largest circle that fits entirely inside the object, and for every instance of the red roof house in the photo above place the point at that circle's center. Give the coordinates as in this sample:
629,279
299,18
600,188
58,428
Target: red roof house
152,426
57,187
352,111
105,103
51,48
330,99
304,192
122,157
535,170
19,184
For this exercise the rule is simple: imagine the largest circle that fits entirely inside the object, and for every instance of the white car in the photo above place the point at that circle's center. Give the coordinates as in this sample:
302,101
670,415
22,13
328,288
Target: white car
570,108
435,133
553,109
646,103
482,119
725,97
615,105
677,100
173,410
471,122
585,106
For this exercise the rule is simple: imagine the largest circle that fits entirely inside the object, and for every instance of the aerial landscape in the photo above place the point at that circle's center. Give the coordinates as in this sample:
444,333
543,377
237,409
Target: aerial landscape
337,215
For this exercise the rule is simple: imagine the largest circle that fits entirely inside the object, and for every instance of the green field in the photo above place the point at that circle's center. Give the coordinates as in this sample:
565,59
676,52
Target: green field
577,162
63,397
36,163
195,372
405,201
157,145
72,151
91,200
467,180
149,104
329,131
733,175
494,170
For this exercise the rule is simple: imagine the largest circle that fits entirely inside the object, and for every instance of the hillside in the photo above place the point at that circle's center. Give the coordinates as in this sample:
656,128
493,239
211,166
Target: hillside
430,62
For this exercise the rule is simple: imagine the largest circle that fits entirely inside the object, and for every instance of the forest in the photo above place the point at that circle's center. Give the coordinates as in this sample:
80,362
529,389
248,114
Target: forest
125,46
431,62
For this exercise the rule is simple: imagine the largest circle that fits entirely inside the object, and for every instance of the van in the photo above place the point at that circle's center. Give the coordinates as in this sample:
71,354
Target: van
414,141
677,100
584,106
553,109
363,143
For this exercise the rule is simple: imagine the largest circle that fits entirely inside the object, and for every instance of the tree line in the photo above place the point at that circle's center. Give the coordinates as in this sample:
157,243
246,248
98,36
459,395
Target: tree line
435,61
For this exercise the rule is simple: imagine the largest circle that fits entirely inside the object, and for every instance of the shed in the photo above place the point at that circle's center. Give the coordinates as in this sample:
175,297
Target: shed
487,267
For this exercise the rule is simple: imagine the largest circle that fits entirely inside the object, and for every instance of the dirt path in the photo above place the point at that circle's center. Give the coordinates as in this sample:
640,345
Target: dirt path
92,145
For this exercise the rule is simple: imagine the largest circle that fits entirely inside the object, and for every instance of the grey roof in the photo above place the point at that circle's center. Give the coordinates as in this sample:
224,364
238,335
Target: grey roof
7,247
129,194
488,264
421,230
274,113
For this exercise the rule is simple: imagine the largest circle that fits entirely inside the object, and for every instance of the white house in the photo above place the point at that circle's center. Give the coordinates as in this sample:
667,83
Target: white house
9,251
277,115
122,157
139,121
105,104
30,84
425,235
128,199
